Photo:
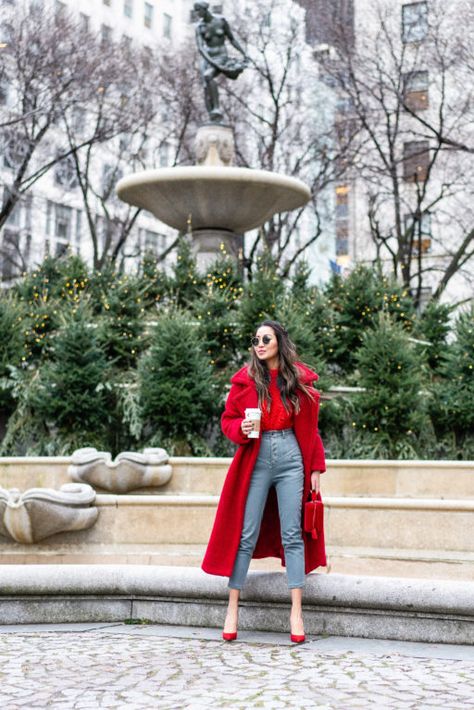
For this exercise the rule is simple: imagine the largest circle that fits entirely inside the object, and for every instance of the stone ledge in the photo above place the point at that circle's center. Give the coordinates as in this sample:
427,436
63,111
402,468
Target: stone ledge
186,499
225,460
369,607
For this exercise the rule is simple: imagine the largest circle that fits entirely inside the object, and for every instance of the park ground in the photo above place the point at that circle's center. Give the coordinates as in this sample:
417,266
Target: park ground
138,667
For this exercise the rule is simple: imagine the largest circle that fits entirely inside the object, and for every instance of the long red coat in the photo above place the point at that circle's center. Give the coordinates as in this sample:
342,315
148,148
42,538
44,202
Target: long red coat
226,533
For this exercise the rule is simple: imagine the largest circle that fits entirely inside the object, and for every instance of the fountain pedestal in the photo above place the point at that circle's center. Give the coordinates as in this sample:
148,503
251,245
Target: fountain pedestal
214,200
214,147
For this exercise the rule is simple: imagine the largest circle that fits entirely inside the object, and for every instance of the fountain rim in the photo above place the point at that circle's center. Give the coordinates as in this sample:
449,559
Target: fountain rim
210,174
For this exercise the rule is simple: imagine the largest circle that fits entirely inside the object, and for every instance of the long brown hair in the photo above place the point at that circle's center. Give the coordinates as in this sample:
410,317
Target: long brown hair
289,378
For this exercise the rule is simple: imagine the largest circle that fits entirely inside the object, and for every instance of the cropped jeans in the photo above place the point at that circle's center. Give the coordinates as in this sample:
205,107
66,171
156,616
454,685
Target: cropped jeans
279,463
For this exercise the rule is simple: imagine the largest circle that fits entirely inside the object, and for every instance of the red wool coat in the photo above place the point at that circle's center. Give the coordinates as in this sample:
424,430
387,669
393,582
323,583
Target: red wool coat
225,536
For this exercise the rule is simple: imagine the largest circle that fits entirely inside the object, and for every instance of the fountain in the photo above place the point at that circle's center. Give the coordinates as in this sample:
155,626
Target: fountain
213,199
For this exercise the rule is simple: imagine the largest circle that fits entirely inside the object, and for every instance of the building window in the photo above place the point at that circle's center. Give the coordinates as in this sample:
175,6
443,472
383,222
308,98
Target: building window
6,34
78,228
415,90
85,21
63,223
79,116
106,34
418,231
65,173
59,227
414,22
128,8
342,220
342,239
3,92
416,159
110,177
167,25
151,242
14,150
164,155
10,254
148,17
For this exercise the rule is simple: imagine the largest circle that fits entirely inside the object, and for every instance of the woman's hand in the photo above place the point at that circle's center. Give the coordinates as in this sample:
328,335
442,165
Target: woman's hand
246,426
315,481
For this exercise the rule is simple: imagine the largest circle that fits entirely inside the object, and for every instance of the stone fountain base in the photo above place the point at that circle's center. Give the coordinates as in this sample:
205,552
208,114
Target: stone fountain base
209,244
434,611
214,200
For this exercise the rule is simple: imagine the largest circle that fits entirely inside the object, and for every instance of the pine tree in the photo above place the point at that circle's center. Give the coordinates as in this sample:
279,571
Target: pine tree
186,283
72,391
121,320
390,413
216,312
12,351
54,287
356,300
156,282
178,399
260,300
433,326
452,407
53,279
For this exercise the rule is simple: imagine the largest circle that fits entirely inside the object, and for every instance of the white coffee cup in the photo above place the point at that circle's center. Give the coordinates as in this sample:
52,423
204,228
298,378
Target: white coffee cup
255,416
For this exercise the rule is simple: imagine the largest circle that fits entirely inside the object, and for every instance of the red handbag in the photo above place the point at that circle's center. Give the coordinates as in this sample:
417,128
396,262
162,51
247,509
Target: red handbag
314,515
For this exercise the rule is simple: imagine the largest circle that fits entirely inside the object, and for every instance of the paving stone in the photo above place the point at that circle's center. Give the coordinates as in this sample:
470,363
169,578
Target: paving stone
142,671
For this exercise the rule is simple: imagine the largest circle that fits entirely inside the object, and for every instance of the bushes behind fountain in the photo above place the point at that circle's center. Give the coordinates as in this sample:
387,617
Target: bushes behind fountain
80,370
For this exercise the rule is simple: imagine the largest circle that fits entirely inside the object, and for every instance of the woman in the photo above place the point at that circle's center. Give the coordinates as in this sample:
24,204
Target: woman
260,509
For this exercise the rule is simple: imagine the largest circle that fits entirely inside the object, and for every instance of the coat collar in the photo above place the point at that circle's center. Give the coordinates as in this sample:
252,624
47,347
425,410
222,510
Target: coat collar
242,377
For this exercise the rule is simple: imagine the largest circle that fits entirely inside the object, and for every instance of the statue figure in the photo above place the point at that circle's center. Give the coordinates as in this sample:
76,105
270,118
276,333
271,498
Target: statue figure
211,34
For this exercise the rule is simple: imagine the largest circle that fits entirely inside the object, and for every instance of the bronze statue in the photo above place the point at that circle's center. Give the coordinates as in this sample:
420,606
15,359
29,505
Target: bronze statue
211,34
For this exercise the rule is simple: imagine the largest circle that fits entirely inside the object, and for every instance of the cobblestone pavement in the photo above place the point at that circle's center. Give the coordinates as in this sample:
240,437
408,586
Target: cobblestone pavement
118,666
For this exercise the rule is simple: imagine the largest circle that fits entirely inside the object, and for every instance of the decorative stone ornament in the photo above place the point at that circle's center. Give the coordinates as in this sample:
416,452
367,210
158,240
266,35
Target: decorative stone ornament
41,512
129,471
214,145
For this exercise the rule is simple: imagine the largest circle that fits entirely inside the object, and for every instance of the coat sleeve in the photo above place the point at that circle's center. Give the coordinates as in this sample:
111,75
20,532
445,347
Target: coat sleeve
318,459
232,419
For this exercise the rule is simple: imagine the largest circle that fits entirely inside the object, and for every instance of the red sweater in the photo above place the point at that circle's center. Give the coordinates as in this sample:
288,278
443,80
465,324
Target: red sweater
277,417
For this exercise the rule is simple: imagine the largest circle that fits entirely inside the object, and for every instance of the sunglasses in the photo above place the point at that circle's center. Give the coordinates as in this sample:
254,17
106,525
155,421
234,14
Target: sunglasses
265,340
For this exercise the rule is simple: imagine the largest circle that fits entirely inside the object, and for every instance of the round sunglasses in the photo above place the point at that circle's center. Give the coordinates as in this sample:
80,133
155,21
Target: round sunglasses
265,340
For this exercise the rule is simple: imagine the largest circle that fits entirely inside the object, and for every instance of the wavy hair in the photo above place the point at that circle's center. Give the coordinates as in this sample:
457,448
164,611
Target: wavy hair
289,379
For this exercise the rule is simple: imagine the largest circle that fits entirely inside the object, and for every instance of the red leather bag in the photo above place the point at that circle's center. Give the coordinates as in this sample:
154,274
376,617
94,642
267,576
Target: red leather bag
314,515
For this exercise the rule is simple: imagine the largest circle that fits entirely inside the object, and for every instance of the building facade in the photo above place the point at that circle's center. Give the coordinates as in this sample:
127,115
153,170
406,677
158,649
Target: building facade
402,75
50,219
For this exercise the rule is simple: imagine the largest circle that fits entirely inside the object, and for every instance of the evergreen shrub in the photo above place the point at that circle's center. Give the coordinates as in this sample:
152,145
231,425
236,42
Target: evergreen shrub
390,414
66,402
177,394
452,404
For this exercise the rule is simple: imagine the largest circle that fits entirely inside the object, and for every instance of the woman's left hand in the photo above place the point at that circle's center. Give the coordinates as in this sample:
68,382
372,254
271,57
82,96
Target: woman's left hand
315,481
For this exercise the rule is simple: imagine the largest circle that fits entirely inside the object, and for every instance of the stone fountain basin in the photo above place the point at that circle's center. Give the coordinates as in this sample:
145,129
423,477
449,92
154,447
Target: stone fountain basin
201,197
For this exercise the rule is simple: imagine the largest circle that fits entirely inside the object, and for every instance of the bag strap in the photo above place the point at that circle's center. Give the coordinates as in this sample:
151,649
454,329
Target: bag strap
314,533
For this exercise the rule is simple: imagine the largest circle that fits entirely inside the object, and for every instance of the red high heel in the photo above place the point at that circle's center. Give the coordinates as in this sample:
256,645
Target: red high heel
297,639
229,636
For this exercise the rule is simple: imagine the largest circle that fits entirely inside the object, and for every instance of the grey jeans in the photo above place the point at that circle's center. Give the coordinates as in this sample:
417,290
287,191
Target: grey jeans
279,463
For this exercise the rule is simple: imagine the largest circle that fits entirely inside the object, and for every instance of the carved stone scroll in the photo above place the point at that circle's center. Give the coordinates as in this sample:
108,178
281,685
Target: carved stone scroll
128,472
41,512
